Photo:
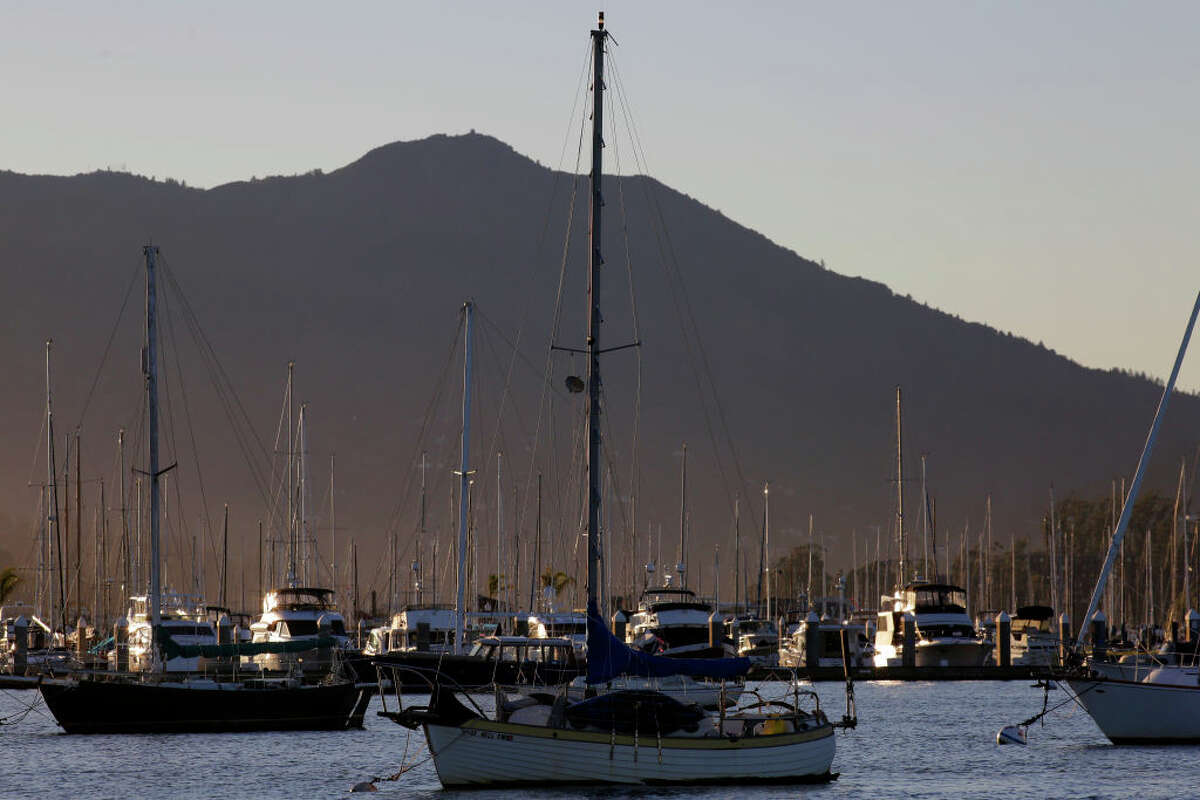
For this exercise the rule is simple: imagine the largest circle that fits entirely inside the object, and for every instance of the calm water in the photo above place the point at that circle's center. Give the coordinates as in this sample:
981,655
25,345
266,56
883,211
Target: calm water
920,740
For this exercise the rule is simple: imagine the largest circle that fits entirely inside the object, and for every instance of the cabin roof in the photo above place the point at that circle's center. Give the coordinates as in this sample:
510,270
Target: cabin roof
1039,613
927,585
303,590
669,590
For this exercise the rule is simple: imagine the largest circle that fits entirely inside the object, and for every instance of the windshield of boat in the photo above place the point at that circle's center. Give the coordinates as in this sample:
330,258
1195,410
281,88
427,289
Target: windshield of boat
935,599
187,629
299,627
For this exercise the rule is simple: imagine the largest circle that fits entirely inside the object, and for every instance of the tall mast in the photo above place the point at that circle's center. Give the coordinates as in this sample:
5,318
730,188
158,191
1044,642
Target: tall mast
515,583
421,538
464,474
595,260
499,527
99,596
681,566
333,572
924,523
151,252
78,529
225,558
302,533
808,592
537,551
900,542
127,566
737,552
1054,599
987,558
55,537
291,504
767,541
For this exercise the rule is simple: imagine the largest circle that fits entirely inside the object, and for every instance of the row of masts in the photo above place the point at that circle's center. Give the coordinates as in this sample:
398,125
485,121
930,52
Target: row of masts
1142,589
54,548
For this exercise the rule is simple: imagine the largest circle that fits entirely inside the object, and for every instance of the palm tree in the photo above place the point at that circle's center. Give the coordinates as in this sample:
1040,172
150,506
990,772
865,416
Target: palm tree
8,582
558,580
496,584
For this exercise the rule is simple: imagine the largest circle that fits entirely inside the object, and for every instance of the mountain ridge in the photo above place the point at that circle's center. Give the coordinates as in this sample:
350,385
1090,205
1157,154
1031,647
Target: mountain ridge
351,271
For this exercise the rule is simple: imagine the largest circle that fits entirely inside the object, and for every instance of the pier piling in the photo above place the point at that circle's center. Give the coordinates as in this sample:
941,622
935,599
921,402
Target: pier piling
20,645
812,640
909,657
1004,639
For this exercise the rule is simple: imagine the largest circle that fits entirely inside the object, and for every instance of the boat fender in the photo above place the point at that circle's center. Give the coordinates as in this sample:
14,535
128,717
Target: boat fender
1011,734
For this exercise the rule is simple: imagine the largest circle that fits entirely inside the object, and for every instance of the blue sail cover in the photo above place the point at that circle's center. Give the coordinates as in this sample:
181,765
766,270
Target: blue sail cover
608,657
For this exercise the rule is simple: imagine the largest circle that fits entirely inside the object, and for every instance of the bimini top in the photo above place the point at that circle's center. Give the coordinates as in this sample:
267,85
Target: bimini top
1038,613
670,592
950,587
936,597
608,657
299,597
669,599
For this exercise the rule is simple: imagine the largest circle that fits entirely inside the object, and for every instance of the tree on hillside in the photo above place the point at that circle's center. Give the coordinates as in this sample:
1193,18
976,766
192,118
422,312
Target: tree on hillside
497,584
557,580
8,583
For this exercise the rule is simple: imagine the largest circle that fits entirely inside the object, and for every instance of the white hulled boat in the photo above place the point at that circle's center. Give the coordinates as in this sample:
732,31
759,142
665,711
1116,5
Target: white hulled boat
571,625
794,652
428,628
1033,641
674,622
945,636
755,639
294,615
1163,707
182,618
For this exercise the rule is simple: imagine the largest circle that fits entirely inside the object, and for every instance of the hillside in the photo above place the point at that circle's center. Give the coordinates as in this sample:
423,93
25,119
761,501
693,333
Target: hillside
358,275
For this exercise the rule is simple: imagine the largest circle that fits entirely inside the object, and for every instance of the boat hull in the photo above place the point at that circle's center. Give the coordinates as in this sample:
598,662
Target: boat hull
89,706
950,653
418,671
1130,712
481,753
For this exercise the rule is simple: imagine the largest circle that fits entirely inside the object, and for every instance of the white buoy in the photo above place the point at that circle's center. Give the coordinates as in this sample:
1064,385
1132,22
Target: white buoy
1011,734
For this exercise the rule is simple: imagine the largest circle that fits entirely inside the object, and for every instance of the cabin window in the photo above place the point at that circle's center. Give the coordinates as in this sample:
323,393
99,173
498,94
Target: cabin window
188,630
300,627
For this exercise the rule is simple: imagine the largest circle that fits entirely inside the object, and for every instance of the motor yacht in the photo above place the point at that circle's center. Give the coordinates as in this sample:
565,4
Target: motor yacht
293,614
945,636
794,651
571,625
1033,640
755,639
425,628
674,623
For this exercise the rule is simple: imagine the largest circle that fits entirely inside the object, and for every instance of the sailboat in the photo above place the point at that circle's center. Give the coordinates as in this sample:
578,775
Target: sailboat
152,701
944,635
629,736
514,661
1162,705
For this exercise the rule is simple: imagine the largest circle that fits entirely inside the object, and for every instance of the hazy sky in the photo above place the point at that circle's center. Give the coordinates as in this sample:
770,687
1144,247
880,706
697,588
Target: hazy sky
1029,165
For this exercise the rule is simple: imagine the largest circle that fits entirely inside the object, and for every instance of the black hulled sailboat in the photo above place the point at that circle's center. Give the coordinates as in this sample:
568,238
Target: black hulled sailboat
149,702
